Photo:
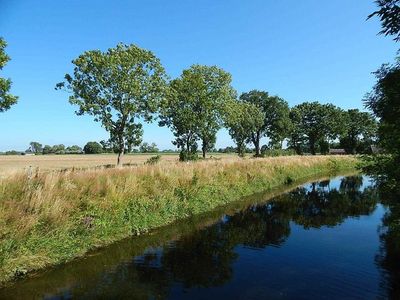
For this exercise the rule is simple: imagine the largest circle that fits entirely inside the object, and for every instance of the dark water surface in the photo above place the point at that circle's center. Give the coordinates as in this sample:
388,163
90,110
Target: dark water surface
324,240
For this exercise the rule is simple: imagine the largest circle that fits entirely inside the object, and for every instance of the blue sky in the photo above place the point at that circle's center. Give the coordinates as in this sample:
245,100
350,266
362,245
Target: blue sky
309,50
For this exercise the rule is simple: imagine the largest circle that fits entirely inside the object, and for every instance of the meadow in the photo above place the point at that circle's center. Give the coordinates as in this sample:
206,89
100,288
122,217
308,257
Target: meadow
12,164
50,217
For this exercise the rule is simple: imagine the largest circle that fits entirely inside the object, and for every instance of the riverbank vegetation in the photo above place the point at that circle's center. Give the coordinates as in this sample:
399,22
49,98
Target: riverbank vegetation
50,218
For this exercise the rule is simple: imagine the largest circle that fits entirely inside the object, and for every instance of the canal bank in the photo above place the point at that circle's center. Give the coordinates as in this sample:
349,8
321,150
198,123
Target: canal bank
53,218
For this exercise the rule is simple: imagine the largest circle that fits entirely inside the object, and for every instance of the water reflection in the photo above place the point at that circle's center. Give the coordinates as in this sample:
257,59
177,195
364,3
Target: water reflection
202,261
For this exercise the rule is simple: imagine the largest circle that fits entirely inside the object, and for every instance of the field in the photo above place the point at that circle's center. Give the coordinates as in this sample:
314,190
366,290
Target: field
11,164
47,218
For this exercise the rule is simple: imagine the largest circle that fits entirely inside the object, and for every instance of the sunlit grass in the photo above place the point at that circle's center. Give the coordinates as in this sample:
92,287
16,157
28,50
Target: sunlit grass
51,217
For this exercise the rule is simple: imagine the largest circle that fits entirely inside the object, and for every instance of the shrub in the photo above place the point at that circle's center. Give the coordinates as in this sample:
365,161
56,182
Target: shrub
93,148
153,160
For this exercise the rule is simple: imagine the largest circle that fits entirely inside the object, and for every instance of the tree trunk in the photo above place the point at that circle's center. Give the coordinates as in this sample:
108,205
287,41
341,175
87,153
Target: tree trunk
204,148
119,159
120,152
312,146
256,142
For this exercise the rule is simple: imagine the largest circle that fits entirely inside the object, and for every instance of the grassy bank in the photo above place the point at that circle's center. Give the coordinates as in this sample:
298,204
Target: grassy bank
50,218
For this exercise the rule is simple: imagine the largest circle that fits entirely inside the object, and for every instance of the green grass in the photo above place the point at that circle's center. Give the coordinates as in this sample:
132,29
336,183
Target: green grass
51,218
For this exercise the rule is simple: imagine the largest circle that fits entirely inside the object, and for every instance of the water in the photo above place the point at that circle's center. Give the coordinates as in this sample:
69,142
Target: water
324,240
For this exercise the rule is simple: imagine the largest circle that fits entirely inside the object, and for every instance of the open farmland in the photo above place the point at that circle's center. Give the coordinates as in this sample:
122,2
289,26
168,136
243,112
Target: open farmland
11,164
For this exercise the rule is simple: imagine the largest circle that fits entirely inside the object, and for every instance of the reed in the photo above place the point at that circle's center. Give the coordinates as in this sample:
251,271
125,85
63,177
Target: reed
47,218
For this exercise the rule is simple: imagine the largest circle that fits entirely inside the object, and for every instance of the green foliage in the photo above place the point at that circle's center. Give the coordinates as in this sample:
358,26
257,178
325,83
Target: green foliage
148,148
6,99
384,101
277,152
276,123
117,87
360,132
389,15
314,123
193,107
241,119
153,160
75,149
35,147
93,148
187,156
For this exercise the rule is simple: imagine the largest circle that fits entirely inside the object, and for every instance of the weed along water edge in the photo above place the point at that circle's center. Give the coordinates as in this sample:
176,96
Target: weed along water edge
289,243
54,217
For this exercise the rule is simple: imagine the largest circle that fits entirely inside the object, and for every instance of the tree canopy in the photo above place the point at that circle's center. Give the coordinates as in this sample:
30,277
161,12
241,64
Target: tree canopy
193,107
315,123
6,99
360,131
241,119
119,88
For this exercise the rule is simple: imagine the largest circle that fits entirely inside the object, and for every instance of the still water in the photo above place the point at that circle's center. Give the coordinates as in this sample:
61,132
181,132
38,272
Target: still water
323,240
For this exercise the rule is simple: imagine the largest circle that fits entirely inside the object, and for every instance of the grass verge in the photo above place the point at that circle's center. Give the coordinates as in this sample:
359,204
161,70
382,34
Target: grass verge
51,218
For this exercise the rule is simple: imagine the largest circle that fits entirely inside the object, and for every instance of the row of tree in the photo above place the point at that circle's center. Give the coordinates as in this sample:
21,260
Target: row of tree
89,148
127,85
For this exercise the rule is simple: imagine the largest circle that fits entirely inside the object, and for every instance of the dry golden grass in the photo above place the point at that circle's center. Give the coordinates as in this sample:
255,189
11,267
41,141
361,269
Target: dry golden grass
11,164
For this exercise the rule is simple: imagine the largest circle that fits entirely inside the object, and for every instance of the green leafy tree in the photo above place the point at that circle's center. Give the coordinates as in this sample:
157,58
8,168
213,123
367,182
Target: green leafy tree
258,99
148,148
118,88
384,101
35,147
360,129
75,149
315,123
93,148
242,119
47,149
276,119
389,15
297,140
6,99
193,107
58,149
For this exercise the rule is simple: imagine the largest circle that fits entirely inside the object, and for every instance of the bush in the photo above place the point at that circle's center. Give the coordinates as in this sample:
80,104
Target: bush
153,160
277,152
93,148
185,156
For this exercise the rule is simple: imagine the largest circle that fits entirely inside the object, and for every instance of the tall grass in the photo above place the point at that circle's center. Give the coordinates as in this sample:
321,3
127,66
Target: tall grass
50,218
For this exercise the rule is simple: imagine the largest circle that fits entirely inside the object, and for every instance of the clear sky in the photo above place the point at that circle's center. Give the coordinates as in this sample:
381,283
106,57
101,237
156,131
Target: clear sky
309,50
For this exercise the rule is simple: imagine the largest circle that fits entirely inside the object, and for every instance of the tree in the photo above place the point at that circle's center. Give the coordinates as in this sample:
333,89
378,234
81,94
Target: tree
389,15
47,149
6,99
258,99
117,88
193,107
75,149
360,127
58,149
93,148
242,119
36,147
148,148
277,121
384,101
276,118
317,123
